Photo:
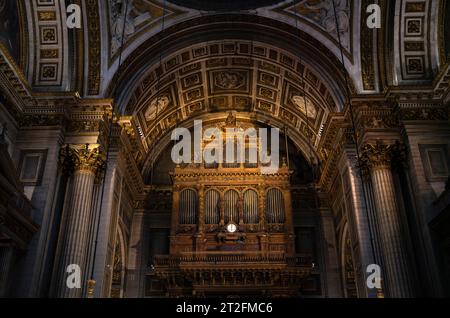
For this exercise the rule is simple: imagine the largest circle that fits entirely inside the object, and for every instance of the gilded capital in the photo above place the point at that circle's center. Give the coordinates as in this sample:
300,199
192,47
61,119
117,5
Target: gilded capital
380,154
86,157
376,154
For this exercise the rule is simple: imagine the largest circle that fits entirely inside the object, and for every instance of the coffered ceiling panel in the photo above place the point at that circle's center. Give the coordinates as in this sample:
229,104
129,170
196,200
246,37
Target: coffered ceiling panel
222,77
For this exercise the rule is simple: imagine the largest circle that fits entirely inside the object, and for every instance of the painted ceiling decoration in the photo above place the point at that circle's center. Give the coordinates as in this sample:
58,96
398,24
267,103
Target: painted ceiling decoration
321,14
141,14
147,15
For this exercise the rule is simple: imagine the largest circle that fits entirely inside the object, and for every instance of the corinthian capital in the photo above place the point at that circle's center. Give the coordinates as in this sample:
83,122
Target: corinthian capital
86,157
377,154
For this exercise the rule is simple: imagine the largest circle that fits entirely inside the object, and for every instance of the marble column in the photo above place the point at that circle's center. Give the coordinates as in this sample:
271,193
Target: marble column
85,162
377,158
361,223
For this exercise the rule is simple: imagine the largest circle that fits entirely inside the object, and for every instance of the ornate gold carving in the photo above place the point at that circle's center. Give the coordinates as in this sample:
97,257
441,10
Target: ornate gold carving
82,158
389,121
223,89
91,288
384,155
84,126
376,155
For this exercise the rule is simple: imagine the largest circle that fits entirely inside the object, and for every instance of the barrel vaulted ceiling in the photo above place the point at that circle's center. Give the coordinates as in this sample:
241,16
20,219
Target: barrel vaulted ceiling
178,61
415,51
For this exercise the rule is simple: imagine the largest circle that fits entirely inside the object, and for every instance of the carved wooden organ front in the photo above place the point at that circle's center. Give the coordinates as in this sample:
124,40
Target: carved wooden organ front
231,229
231,209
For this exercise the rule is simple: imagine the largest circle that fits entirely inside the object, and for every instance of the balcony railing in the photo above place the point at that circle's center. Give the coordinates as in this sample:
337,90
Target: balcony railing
231,258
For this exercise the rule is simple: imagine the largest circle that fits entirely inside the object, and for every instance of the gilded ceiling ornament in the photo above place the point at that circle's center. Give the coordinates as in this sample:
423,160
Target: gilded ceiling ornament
309,108
231,120
157,106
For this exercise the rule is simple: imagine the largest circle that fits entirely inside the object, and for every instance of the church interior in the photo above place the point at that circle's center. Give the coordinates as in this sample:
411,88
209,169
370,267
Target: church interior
92,204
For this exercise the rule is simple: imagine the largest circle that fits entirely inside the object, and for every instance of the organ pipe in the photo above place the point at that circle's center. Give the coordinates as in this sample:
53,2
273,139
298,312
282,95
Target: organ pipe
188,207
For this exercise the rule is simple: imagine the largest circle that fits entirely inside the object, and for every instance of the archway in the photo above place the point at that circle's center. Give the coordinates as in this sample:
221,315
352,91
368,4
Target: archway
263,82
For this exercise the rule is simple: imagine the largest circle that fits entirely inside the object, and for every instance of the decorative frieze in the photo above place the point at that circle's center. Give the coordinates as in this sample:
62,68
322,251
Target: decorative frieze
46,120
424,113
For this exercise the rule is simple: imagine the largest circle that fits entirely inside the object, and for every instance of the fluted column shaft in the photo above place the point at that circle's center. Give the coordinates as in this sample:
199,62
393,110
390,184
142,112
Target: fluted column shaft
397,273
85,162
75,249
392,243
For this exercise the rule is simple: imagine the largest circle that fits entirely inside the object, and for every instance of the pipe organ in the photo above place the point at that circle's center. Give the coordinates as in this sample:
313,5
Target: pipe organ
229,223
207,201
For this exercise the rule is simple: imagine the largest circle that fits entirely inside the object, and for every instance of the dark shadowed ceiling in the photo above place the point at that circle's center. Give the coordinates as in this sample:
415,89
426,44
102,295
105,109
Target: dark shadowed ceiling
224,5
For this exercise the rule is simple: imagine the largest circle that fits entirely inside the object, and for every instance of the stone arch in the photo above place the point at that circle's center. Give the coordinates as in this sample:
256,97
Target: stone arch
219,28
